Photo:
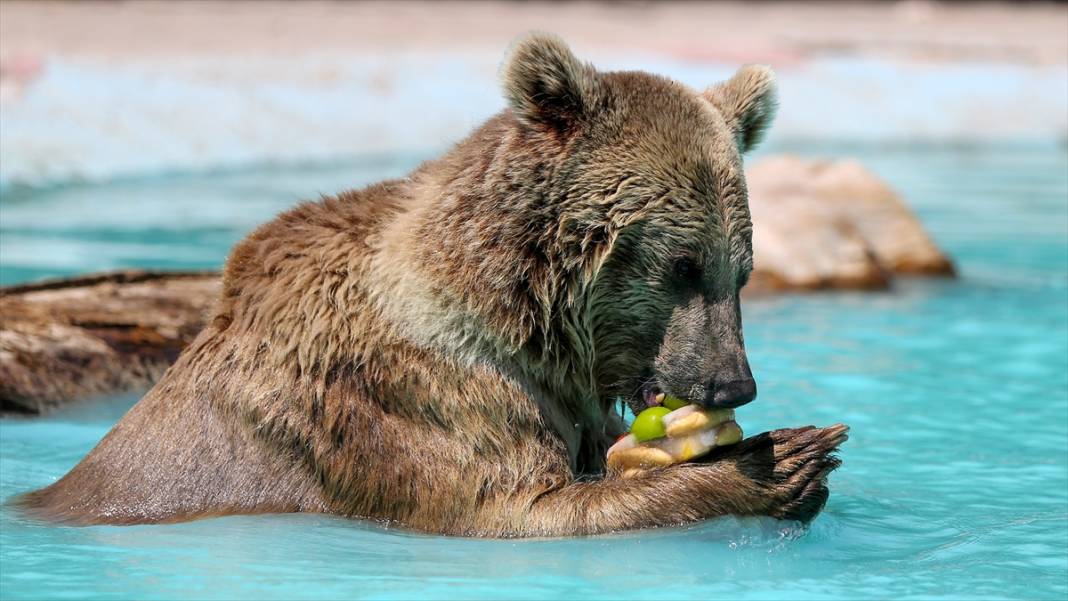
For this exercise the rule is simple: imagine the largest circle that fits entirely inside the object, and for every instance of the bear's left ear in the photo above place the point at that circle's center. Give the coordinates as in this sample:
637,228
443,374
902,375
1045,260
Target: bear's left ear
748,102
546,85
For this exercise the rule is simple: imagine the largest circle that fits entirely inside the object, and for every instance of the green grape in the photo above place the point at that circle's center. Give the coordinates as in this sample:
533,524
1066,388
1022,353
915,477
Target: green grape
649,424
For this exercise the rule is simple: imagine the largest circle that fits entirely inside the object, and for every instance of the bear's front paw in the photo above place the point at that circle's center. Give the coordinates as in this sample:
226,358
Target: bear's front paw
790,466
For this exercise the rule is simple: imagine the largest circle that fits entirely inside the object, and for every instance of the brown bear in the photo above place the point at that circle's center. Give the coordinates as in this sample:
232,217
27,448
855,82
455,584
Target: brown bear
446,351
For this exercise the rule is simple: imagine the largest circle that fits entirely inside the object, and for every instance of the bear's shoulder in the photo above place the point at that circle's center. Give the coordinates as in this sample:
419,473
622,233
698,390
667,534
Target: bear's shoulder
282,265
308,234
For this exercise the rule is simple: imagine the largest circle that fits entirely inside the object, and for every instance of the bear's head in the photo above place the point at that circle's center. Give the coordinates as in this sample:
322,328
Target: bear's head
648,214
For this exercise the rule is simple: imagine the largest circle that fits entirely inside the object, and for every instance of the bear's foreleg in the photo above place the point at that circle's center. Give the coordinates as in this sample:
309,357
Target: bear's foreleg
780,474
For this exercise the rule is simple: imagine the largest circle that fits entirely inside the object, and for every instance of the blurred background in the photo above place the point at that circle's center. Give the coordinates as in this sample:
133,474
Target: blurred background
914,138
127,106
99,90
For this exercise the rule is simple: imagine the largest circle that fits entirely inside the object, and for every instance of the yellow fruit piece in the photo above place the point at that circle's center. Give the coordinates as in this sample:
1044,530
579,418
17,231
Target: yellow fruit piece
691,423
688,451
639,457
697,421
678,414
718,416
728,433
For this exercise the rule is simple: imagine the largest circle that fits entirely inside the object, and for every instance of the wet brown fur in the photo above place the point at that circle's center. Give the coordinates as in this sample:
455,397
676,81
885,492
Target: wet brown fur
442,351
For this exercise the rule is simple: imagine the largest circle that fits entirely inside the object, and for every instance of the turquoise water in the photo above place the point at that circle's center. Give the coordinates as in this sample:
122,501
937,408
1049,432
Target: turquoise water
954,483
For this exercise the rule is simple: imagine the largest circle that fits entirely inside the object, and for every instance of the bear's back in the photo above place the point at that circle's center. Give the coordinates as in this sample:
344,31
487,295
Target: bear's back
306,268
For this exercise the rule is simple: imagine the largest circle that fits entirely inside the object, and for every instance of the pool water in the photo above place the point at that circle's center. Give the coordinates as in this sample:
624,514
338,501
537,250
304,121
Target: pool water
954,483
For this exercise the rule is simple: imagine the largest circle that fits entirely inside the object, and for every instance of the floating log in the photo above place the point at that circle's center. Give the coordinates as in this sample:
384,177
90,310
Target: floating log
68,339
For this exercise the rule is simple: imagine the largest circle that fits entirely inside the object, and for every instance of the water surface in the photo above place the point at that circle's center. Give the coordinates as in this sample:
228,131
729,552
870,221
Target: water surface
954,483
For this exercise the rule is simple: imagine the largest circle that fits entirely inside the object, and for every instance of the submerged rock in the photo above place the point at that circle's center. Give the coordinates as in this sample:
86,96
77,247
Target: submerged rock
817,224
821,224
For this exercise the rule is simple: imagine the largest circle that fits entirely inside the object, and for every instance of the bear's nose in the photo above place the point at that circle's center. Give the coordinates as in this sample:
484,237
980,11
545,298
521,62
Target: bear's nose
730,394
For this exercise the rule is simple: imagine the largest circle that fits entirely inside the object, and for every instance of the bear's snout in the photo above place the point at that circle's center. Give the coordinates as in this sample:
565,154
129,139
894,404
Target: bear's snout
730,394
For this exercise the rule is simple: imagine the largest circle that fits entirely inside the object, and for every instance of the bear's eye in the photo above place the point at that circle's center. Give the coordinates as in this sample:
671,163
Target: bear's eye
687,270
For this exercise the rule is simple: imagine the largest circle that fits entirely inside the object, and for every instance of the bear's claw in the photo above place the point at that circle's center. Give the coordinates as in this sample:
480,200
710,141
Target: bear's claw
790,466
803,459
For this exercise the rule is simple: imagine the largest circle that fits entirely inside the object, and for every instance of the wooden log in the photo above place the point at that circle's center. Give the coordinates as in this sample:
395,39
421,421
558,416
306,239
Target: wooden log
68,339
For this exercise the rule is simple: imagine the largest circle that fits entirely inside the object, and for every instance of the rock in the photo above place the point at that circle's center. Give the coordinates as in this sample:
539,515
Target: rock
63,340
832,224
817,224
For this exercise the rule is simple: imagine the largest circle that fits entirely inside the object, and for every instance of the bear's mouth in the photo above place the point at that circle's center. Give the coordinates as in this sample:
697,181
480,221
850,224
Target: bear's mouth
649,392
646,395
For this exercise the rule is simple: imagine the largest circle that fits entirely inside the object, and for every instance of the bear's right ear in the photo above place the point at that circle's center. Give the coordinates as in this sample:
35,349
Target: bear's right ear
546,85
